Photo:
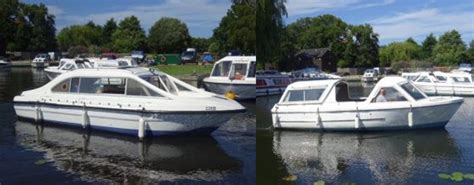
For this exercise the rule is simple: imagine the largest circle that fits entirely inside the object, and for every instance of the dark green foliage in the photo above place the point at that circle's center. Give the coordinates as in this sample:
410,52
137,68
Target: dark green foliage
109,28
80,35
399,51
427,47
169,35
201,44
128,36
236,30
470,52
269,30
450,49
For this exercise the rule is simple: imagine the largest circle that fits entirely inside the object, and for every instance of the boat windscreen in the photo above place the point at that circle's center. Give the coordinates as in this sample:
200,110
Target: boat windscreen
410,89
162,82
303,95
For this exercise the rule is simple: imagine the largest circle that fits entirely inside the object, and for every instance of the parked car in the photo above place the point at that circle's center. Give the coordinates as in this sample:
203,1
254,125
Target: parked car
189,56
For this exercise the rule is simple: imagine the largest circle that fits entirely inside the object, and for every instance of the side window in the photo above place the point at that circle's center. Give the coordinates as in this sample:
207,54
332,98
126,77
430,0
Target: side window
296,95
222,69
304,95
74,85
62,87
313,94
137,89
387,94
424,79
240,71
252,69
102,85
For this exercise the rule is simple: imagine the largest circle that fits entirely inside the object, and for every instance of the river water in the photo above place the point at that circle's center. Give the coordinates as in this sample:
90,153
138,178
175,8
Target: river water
36,154
400,157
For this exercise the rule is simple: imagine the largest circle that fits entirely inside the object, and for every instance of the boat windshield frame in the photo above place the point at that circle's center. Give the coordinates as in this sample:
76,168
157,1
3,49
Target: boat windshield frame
321,98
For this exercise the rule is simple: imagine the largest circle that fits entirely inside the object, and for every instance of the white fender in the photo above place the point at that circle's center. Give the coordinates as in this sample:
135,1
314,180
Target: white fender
141,128
410,119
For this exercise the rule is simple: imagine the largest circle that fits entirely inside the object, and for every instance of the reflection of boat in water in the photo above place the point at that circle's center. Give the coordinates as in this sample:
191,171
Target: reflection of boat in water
114,158
388,158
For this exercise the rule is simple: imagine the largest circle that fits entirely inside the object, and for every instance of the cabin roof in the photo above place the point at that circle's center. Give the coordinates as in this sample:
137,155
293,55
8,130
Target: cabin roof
244,59
312,83
390,81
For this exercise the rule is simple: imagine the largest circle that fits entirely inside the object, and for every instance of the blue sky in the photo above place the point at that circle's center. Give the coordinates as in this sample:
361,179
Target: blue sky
201,16
394,20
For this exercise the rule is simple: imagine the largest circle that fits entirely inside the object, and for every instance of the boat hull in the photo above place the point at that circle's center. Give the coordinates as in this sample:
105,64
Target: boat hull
447,89
125,121
243,91
267,91
376,119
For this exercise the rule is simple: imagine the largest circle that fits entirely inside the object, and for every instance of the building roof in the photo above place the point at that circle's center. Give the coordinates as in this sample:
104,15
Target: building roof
315,52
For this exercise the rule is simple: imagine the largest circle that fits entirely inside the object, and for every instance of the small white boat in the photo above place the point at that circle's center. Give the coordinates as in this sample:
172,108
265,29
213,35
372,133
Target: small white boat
271,82
41,60
66,65
370,75
311,73
4,63
134,101
235,75
326,105
440,83
112,63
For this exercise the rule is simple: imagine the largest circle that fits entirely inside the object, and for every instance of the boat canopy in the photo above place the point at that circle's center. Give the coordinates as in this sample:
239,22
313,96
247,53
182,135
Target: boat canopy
235,67
333,91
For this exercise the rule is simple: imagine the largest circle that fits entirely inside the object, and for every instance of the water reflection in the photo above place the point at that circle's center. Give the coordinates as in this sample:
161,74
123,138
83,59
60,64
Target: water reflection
112,158
383,158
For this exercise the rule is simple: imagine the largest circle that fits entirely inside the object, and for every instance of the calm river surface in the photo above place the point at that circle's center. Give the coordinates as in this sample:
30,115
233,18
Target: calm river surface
31,154
401,157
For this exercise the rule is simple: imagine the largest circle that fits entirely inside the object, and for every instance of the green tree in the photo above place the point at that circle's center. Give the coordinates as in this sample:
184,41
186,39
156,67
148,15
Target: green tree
427,46
129,36
411,40
8,16
43,31
269,30
168,35
79,35
201,44
399,51
450,49
236,31
470,52
109,28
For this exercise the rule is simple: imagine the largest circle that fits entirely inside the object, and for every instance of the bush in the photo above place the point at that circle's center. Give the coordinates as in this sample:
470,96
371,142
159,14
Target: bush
76,50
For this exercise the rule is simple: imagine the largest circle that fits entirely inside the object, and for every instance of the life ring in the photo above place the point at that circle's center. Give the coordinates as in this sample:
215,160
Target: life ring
163,59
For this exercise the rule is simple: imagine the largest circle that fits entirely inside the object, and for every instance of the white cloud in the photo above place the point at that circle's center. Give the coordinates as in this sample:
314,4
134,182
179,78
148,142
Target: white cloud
299,7
422,22
197,14
55,10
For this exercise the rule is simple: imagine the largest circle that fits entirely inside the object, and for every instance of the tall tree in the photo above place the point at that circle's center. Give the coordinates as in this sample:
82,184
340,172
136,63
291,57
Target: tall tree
201,44
470,52
427,46
129,36
79,35
411,40
8,15
450,49
270,25
43,32
168,35
399,51
236,31
109,28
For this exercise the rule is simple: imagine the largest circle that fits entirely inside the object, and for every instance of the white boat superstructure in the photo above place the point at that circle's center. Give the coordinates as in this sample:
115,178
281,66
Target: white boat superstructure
394,103
440,83
311,73
41,60
112,63
67,65
4,62
370,75
271,83
234,74
129,101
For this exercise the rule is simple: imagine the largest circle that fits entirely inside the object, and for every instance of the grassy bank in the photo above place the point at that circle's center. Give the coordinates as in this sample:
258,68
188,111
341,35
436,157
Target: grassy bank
185,70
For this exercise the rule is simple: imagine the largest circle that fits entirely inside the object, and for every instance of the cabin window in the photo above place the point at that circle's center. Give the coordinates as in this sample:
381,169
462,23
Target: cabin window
102,85
222,69
424,79
68,66
239,72
389,94
74,85
410,89
441,78
252,69
304,95
162,82
461,79
137,89
62,87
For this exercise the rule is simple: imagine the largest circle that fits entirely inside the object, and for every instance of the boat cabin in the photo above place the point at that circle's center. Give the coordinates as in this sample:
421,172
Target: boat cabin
389,89
72,64
125,81
235,68
440,77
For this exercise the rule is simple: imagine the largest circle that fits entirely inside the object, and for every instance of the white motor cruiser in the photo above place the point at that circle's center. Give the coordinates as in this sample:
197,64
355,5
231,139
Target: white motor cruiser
370,75
41,60
235,75
133,101
440,83
66,65
394,103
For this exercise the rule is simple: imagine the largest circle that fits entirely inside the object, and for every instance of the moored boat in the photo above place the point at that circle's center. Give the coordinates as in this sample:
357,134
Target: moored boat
394,103
235,75
440,83
66,65
132,101
271,82
41,60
